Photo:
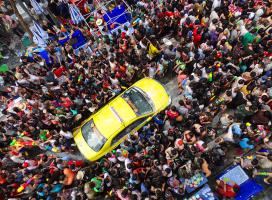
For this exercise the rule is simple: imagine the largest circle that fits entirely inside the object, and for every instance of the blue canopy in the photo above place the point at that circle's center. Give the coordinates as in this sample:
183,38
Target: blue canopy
118,15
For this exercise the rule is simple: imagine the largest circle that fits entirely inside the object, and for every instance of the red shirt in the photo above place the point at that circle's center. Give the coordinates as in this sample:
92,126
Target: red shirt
77,163
171,114
226,190
165,14
197,37
169,14
66,102
138,170
106,85
2,180
58,72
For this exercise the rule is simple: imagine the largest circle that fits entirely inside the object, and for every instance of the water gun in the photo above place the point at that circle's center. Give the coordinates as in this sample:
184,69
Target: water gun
262,173
24,185
125,153
136,21
210,77
23,134
16,143
79,78
44,135
13,142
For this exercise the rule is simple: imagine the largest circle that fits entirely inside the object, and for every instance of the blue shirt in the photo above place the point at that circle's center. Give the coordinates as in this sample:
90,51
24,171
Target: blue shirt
158,121
236,129
57,188
244,144
143,188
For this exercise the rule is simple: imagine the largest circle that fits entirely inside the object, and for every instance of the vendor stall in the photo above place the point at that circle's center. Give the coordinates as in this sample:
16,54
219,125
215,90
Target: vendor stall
204,193
194,182
108,16
248,188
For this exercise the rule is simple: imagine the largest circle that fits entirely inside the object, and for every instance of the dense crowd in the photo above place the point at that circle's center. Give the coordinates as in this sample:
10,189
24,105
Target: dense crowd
220,52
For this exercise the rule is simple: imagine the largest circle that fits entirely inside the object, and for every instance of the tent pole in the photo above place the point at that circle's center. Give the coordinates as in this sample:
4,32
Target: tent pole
127,5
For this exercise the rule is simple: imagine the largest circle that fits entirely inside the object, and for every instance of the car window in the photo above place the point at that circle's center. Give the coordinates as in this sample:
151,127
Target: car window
138,101
92,136
127,130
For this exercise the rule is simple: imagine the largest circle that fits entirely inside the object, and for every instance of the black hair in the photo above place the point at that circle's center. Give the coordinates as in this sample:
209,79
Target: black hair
124,193
254,162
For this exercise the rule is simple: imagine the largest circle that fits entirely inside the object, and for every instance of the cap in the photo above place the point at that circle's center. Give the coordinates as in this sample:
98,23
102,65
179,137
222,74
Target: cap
179,142
248,124
25,164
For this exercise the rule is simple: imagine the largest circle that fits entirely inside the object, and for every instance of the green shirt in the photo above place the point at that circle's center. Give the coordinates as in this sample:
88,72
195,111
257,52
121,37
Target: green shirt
98,184
181,65
248,38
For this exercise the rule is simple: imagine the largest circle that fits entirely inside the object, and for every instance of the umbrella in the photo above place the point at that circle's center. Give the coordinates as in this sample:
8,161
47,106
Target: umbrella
39,35
76,16
37,7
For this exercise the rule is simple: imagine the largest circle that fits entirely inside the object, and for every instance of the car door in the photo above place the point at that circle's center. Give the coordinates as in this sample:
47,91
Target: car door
128,130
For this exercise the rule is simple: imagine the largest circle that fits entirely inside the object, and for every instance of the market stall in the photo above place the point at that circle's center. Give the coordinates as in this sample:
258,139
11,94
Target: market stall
204,193
248,188
194,182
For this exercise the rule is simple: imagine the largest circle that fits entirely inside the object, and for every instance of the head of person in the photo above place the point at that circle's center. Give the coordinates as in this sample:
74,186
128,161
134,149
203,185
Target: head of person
269,156
124,193
269,180
254,162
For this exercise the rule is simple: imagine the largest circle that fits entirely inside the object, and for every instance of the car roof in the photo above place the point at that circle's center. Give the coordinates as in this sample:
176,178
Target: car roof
114,117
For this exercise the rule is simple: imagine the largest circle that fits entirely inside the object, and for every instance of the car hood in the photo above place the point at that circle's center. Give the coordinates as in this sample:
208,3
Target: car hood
83,147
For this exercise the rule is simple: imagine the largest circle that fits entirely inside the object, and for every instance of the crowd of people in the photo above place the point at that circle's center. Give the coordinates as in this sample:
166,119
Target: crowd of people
220,52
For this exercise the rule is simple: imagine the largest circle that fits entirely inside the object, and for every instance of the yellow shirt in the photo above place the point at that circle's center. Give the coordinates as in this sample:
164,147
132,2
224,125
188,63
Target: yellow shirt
244,90
153,51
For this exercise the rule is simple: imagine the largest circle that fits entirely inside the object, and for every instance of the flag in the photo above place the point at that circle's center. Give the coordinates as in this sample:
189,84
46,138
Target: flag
76,16
40,36
37,7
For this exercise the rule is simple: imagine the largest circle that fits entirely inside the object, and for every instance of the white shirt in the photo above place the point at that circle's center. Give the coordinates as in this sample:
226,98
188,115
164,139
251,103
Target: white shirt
243,30
114,81
216,4
152,71
213,15
67,135
127,161
258,14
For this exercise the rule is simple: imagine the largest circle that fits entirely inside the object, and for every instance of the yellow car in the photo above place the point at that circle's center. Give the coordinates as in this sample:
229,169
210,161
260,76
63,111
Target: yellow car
126,113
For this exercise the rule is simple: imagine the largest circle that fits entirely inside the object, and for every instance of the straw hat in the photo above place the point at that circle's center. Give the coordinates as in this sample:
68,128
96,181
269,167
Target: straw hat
99,22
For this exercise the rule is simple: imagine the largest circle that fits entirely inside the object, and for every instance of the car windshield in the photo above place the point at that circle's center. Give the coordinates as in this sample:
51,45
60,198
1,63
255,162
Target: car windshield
92,136
137,101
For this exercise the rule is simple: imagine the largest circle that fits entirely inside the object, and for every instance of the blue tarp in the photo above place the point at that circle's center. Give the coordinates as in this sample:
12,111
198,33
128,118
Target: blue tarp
66,39
248,190
80,39
118,15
